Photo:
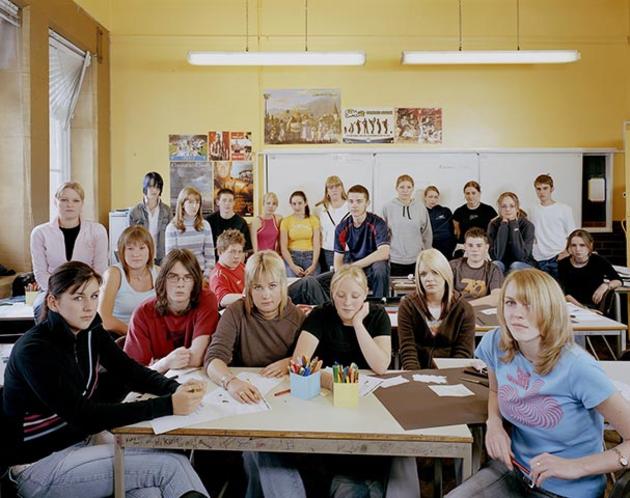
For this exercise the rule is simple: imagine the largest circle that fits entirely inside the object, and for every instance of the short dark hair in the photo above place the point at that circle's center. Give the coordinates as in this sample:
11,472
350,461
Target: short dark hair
222,191
152,179
543,180
359,189
476,233
68,277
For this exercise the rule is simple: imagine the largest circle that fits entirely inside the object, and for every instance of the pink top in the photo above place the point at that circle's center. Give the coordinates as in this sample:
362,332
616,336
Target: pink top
48,248
268,233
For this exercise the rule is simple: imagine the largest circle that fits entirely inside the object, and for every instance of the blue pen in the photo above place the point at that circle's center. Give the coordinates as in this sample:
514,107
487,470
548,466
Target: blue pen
307,372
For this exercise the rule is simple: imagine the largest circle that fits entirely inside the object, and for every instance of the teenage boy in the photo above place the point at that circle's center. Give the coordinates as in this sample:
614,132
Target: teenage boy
365,238
152,213
474,276
227,278
554,222
225,218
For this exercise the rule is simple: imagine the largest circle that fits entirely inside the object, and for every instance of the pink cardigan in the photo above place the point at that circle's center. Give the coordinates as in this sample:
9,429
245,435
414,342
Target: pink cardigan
48,249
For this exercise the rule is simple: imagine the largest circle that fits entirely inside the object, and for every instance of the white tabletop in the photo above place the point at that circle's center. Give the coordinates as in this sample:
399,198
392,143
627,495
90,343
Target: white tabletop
456,362
16,311
617,370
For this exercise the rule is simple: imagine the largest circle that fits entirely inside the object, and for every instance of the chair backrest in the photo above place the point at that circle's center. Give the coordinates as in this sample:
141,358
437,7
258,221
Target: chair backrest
621,489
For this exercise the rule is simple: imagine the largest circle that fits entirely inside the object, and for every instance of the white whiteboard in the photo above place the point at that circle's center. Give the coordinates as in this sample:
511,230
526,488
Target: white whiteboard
448,172
516,172
286,173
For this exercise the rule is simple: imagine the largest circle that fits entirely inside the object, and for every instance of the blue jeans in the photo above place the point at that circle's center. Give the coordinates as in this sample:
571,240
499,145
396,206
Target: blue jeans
378,278
515,265
549,266
272,475
88,471
304,259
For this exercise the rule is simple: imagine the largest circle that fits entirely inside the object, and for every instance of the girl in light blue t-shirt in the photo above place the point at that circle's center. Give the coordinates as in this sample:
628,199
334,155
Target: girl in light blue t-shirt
554,395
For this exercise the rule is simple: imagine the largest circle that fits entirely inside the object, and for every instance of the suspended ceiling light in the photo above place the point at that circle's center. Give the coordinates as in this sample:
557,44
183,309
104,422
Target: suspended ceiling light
306,58
491,57
517,56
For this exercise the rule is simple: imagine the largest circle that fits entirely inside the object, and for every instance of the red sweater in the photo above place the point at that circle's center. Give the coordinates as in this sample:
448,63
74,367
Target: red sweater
152,336
225,280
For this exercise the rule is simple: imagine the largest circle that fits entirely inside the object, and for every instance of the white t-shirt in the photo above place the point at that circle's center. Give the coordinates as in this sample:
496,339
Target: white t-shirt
329,219
553,224
153,223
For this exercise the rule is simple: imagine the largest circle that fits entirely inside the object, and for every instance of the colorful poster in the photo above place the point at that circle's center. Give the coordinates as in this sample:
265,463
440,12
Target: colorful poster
419,125
238,176
193,174
187,148
368,125
302,116
241,145
219,145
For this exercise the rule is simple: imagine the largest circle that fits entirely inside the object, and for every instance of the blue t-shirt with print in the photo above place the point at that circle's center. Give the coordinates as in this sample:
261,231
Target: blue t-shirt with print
553,413
363,240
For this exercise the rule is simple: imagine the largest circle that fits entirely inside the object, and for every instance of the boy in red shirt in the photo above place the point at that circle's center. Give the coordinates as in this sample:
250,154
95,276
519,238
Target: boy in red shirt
227,279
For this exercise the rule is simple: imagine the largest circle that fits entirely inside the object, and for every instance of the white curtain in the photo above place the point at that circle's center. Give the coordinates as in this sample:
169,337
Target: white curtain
9,22
67,70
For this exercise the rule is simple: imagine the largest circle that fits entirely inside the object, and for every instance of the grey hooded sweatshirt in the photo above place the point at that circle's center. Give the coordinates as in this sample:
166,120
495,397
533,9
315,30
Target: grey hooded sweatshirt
411,230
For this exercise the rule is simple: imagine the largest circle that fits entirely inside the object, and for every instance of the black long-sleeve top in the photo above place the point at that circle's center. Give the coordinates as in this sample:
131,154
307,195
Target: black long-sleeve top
511,241
51,387
581,283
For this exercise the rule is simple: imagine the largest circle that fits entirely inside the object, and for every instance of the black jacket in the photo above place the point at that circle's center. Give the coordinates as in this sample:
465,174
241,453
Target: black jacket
53,388
511,241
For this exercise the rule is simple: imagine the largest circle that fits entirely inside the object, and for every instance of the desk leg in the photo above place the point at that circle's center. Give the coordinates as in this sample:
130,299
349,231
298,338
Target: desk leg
119,469
467,464
437,478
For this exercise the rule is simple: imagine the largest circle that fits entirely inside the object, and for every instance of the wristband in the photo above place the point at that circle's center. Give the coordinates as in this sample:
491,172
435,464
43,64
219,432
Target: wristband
226,379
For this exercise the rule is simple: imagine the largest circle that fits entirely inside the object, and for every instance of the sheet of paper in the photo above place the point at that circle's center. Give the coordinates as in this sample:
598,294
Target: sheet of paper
458,390
367,384
393,381
489,311
430,379
263,384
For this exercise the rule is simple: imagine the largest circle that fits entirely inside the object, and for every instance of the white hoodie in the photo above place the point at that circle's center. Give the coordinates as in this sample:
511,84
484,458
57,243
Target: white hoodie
411,230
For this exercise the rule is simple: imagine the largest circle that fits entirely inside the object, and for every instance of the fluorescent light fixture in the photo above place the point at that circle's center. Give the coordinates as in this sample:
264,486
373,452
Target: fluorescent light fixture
276,58
491,57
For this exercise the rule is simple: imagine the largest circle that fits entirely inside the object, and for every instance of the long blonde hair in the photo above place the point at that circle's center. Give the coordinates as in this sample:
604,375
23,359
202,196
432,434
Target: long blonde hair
434,260
544,297
331,181
267,263
180,212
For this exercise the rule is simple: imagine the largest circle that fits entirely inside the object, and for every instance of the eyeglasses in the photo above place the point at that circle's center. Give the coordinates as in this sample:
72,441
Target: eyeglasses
175,278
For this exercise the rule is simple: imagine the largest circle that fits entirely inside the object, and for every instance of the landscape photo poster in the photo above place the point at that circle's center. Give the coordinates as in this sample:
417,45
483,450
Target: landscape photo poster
368,125
302,116
219,145
419,125
193,174
238,176
188,147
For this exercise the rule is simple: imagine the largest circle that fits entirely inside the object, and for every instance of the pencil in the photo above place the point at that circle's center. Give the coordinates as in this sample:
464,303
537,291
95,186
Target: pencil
284,391
474,381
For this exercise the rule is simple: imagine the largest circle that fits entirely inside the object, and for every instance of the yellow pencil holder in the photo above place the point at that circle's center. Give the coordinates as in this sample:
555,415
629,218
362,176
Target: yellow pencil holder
29,297
345,395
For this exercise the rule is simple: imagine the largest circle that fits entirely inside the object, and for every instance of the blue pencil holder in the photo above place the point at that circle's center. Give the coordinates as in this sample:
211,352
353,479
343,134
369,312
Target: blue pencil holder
305,387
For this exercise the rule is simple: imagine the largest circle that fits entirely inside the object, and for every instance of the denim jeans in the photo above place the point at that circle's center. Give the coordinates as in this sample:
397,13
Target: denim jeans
304,259
88,472
378,278
549,266
515,265
272,475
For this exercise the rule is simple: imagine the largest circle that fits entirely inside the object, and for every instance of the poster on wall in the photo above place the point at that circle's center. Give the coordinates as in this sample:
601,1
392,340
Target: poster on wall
241,145
219,145
302,116
193,174
238,176
368,125
419,125
187,148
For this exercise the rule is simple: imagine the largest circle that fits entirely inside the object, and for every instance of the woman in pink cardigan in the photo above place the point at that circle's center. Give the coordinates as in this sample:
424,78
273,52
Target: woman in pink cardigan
67,238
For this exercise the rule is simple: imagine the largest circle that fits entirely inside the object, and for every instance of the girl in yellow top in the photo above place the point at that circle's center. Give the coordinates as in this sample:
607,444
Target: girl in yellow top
300,238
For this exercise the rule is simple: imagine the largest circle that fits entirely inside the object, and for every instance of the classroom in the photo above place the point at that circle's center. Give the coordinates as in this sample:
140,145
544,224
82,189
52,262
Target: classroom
104,110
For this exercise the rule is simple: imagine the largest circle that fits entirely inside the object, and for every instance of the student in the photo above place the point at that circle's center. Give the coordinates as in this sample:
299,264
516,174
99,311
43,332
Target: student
257,331
54,392
410,227
553,395
188,230
511,235
129,283
152,213
585,277
228,276
68,237
300,238
474,276
225,218
173,329
554,222
472,214
366,240
265,229
332,209
435,321
441,222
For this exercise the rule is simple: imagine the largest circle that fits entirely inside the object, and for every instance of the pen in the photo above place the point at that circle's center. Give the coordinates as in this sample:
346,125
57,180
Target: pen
474,381
284,391
194,390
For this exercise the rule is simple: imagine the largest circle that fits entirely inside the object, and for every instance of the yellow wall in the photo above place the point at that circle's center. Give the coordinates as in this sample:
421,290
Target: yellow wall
155,92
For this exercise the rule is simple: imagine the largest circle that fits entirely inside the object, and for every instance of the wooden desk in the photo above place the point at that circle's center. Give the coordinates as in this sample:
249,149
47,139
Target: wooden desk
297,426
